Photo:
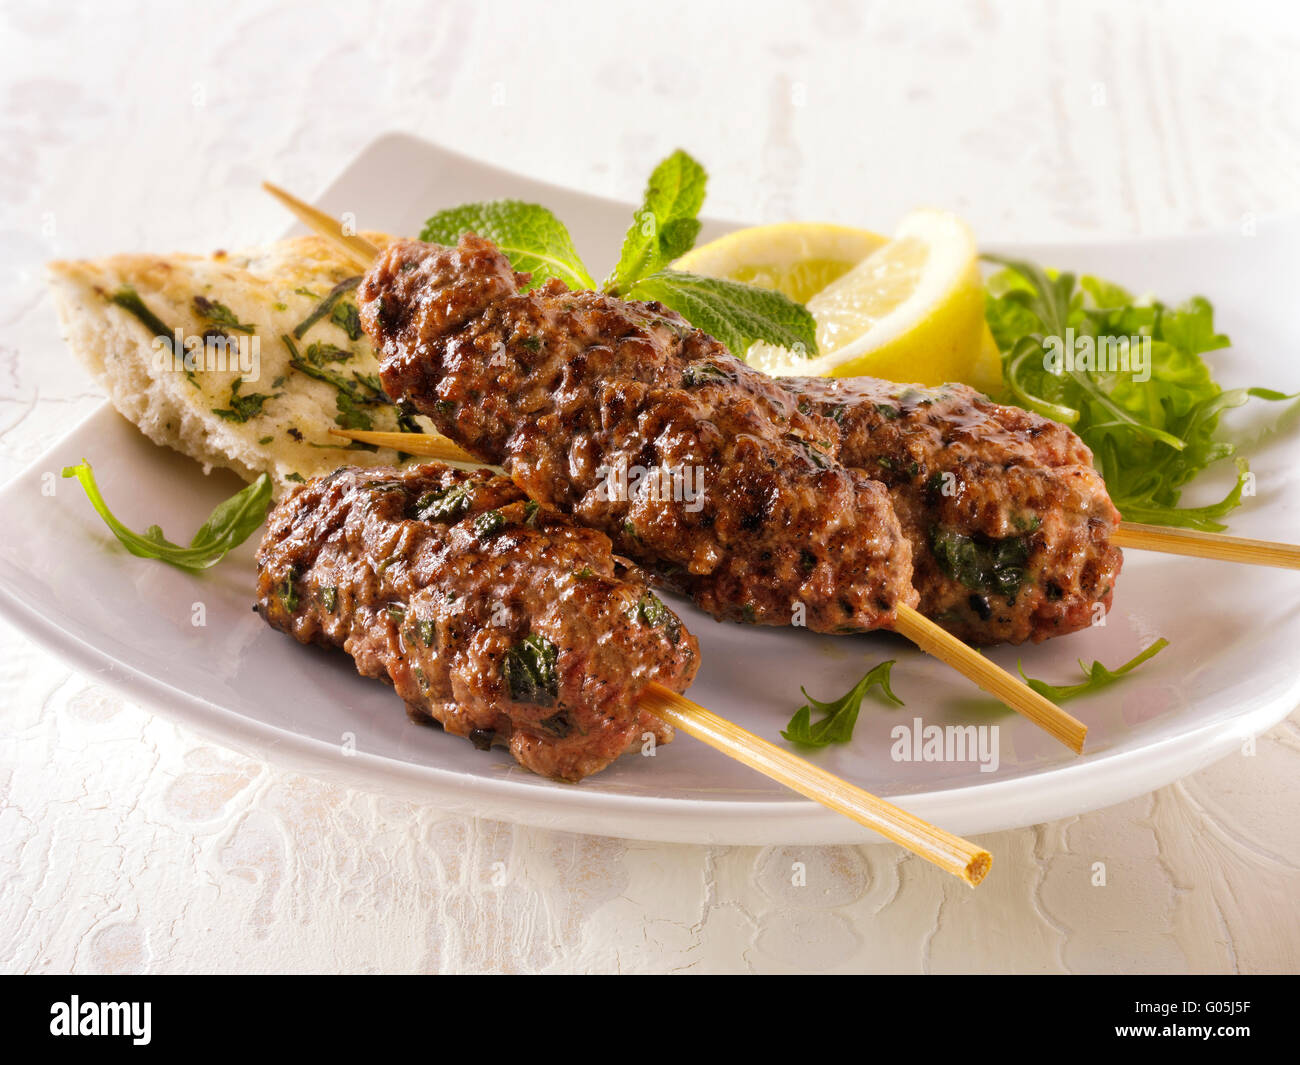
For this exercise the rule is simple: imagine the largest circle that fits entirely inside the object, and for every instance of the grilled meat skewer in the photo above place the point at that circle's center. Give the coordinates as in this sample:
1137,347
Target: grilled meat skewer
500,618
563,388
566,389
1008,520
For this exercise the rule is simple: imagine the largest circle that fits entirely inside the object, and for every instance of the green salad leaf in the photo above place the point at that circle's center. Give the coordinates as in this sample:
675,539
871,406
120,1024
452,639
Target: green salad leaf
666,225
841,715
1149,437
1096,676
229,525
533,239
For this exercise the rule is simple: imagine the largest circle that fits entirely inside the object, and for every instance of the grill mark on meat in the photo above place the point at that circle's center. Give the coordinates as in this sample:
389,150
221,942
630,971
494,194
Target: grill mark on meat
1016,474
434,606
554,385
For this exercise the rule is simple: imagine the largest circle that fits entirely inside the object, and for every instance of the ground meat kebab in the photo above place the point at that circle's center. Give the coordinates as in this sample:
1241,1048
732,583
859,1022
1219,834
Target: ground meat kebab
561,388
500,618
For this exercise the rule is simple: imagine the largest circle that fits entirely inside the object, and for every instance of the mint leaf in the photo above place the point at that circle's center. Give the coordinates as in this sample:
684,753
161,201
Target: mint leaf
841,715
1097,676
665,226
533,239
735,314
229,525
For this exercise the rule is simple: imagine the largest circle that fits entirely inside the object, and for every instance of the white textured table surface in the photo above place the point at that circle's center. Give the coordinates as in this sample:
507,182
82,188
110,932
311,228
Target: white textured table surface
128,844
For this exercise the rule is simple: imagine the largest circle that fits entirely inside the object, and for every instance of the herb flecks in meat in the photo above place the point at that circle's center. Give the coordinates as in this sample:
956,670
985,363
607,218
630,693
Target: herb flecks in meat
530,671
444,504
427,619
487,525
992,567
652,611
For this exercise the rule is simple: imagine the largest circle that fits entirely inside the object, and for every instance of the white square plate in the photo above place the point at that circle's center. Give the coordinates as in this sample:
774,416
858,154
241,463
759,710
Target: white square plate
1230,672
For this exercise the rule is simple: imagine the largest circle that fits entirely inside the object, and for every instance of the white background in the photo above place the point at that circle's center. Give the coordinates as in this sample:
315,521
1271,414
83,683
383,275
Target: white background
127,844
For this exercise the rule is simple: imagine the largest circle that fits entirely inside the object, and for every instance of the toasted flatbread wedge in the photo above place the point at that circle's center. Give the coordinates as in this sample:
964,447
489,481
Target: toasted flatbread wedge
243,360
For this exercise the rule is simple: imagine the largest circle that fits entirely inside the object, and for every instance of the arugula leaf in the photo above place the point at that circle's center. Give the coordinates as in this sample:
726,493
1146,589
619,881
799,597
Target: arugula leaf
665,226
841,715
1148,438
533,239
228,526
735,314
1097,676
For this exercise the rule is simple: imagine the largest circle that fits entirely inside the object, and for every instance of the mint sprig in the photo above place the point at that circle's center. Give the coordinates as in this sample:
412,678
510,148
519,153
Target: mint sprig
737,315
841,715
663,229
532,238
665,226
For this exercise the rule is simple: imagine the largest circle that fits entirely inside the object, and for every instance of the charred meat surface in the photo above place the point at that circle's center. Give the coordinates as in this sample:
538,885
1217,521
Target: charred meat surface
612,410
1009,522
495,616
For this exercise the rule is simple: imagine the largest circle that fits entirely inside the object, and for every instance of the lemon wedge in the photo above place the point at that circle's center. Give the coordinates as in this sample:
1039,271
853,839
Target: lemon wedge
798,259
909,309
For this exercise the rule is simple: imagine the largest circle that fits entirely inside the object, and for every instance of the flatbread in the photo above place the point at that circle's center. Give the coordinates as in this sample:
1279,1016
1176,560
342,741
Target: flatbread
242,390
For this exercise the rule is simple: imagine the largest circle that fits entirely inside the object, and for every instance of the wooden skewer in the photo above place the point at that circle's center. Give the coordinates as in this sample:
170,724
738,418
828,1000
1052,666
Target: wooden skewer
995,680
358,248
1206,545
923,632
1130,534
949,852
920,630
426,445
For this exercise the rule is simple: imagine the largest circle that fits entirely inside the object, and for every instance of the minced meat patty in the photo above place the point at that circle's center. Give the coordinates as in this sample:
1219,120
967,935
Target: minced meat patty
562,387
500,618
1009,521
